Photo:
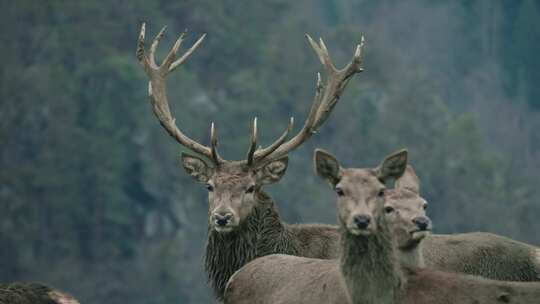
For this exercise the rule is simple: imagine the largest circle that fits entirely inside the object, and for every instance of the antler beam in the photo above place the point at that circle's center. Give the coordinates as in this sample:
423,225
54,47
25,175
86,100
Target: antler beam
157,90
326,97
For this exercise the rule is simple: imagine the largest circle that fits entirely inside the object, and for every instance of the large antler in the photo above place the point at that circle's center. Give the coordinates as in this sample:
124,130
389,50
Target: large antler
158,95
324,101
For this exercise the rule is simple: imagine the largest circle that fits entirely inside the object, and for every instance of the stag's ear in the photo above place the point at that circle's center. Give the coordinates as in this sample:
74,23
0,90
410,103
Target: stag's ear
196,168
392,166
409,180
273,171
326,166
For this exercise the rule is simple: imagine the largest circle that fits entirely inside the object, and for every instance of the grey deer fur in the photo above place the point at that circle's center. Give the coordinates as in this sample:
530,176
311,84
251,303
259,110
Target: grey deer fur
243,222
33,293
368,270
477,253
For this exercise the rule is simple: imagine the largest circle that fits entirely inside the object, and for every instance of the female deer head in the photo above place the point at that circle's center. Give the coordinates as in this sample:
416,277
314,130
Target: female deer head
406,211
360,192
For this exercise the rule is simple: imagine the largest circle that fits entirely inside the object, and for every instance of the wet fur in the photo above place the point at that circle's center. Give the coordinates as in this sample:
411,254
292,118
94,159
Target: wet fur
260,234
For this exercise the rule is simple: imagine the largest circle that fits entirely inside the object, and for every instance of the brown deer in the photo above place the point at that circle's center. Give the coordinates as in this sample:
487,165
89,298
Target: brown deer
478,253
369,270
33,293
243,221
405,210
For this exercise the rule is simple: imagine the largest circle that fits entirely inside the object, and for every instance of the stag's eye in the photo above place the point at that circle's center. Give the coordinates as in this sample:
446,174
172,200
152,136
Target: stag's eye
340,191
381,193
250,189
209,187
424,206
388,209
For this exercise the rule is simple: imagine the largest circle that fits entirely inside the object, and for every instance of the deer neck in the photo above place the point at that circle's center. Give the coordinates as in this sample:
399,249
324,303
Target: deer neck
226,253
369,267
412,257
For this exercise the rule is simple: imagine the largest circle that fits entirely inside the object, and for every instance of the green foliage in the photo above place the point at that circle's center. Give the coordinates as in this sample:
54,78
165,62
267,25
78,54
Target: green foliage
93,196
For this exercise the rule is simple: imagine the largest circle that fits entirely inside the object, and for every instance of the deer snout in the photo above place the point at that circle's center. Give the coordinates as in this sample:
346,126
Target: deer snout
362,221
422,222
222,219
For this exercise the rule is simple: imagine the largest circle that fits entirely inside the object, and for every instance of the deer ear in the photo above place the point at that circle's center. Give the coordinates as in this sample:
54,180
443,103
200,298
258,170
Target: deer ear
326,166
196,168
393,165
272,171
409,180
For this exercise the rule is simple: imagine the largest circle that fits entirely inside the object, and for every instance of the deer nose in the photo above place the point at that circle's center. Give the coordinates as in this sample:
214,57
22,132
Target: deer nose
362,221
421,222
222,219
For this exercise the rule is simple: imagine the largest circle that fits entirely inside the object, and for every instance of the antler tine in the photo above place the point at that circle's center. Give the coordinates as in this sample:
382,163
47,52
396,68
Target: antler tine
155,44
141,56
322,52
263,153
158,94
178,62
325,98
213,145
253,143
336,85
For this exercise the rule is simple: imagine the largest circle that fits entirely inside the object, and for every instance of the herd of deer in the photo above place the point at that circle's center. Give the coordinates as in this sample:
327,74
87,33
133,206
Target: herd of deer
381,251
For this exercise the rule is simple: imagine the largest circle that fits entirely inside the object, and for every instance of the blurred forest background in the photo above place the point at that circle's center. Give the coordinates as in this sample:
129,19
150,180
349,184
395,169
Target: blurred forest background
93,199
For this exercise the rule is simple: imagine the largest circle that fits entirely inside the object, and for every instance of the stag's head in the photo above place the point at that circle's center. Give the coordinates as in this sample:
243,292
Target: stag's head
360,192
405,210
233,186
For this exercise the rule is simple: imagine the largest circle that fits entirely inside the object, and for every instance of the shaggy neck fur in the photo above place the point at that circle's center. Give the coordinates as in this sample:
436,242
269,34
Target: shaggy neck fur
368,267
262,233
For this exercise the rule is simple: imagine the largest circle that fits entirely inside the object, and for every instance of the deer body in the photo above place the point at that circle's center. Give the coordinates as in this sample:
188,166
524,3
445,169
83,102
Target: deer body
370,269
483,254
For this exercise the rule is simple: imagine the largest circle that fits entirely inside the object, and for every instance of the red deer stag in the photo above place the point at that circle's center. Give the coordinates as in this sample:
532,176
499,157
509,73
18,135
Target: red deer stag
368,270
243,221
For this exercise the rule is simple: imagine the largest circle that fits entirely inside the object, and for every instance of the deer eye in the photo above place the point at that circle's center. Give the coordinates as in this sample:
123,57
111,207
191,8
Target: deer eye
209,187
388,209
340,191
250,189
381,193
424,206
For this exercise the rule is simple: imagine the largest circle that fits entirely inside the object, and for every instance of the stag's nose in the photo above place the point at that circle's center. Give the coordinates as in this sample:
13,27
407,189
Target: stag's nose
362,221
222,219
421,222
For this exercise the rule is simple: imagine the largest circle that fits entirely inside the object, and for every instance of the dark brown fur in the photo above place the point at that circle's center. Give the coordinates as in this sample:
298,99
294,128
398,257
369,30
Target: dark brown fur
263,233
32,293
